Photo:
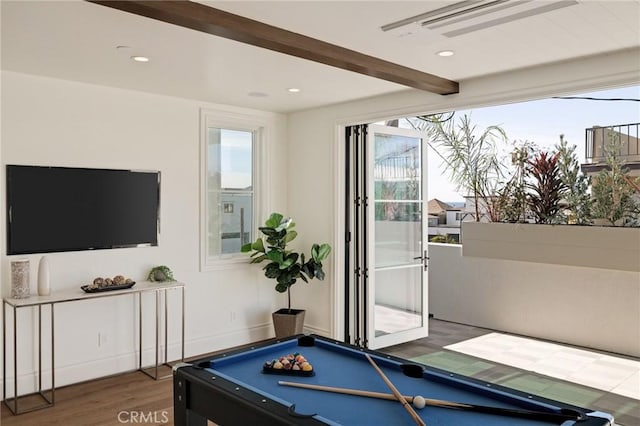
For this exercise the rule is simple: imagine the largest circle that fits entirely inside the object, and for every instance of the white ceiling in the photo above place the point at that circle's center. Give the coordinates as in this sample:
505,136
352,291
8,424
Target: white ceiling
77,40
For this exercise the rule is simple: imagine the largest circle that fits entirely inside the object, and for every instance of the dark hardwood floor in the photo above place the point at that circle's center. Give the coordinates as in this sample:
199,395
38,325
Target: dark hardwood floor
134,398
109,401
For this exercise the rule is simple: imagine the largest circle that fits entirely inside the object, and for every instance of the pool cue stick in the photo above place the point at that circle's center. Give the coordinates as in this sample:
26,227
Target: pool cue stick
510,412
357,392
396,393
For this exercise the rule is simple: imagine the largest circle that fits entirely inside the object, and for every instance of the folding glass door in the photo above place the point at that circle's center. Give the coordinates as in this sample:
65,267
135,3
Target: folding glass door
388,251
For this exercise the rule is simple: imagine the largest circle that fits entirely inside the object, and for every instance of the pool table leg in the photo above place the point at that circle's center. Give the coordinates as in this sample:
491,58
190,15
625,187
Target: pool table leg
182,416
194,419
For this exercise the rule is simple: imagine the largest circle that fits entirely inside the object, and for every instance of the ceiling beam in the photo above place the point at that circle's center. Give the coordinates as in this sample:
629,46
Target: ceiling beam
217,22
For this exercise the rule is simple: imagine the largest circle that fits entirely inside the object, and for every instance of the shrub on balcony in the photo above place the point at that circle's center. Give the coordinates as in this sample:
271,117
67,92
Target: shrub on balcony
613,191
545,188
471,158
576,185
512,197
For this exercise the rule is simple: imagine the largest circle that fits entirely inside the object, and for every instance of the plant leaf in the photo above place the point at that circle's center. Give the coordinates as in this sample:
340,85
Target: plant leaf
281,288
268,231
286,263
275,256
290,236
274,220
323,252
258,245
259,259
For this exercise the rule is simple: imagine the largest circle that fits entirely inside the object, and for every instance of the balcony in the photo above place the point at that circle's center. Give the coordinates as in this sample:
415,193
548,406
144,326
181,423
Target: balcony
544,285
545,281
598,137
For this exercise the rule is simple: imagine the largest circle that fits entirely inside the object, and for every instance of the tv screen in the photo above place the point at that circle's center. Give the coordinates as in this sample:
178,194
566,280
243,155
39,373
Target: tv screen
53,209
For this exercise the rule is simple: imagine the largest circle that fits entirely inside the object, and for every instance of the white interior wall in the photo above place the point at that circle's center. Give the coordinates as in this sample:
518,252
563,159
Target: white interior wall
54,122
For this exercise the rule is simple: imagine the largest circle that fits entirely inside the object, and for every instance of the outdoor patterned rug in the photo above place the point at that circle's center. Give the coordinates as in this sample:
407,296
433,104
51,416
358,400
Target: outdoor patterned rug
625,409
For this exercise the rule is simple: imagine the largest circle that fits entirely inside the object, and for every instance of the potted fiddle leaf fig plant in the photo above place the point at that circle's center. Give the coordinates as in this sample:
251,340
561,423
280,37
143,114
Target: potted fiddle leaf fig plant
286,267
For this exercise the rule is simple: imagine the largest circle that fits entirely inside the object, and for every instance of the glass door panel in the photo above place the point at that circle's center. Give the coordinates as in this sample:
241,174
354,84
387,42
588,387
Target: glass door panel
397,240
397,278
398,304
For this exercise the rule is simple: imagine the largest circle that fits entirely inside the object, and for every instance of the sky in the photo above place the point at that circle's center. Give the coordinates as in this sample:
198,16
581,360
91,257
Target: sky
542,122
235,158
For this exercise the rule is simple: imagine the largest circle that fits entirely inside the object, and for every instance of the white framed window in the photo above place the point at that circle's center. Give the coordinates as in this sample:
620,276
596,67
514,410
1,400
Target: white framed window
229,179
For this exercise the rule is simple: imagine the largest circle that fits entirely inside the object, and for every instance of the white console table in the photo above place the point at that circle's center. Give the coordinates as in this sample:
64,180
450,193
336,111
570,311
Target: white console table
75,296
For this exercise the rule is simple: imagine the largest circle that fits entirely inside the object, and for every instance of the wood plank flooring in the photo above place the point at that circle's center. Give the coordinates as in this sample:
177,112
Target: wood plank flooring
104,402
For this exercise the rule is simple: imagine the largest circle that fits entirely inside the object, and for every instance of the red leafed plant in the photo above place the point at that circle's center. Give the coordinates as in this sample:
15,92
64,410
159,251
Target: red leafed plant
545,187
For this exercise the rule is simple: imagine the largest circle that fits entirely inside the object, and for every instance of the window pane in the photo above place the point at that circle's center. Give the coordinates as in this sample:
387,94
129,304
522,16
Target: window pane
398,238
236,219
397,167
398,300
230,158
229,190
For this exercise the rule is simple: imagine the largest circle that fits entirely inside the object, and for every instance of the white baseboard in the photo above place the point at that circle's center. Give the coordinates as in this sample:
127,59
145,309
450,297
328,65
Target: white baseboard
221,341
124,362
316,330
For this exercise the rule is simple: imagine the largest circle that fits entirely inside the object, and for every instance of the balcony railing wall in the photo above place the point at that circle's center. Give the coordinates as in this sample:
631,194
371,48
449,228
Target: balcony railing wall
625,135
583,306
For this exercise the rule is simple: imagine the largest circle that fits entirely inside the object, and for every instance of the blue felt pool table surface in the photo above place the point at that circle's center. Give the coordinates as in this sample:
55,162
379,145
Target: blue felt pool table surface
341,365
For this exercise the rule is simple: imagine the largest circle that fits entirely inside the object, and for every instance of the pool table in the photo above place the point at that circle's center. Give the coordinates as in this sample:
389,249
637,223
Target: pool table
232,389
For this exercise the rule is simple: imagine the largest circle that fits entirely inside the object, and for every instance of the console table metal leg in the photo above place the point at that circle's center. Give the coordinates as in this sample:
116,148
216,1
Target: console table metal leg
13,402
53,356
157,331
53,377
4,352
40,349
140,331
162,297
166,328
15,360
182,337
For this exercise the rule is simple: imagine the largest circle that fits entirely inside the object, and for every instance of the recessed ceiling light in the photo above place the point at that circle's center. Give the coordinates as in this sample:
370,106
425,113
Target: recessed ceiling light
293,90
257,94
140,58
445,53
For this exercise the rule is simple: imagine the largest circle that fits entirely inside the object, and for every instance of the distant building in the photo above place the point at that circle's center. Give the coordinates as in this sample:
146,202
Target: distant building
445,219
599,137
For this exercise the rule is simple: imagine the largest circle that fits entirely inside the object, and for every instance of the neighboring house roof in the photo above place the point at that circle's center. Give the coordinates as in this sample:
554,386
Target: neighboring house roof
436,206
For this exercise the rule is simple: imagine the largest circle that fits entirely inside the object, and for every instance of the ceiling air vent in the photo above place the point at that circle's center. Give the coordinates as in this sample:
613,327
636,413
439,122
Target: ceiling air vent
473,15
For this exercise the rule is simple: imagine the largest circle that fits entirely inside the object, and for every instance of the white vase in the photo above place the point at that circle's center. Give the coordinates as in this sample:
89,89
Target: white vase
20,278
43,277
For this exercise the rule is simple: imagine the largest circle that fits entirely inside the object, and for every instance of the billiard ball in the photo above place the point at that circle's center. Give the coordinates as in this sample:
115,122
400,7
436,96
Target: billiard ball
419,402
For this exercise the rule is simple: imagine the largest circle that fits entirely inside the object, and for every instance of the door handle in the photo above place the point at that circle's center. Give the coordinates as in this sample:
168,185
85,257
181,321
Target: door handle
424,258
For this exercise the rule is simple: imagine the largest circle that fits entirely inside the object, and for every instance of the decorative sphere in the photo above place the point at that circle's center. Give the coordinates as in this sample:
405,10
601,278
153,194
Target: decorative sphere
419,402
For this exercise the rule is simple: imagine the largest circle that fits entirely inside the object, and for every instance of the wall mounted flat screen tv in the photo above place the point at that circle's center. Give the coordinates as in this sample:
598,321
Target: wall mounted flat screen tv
54,209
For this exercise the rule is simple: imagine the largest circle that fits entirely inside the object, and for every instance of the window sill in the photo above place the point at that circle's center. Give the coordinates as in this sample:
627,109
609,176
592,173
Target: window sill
222,263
